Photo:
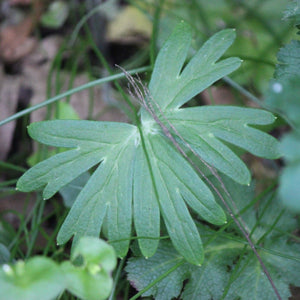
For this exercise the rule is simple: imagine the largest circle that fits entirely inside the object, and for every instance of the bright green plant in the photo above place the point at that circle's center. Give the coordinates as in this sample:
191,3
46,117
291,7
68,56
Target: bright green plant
283,97
140,161
42,278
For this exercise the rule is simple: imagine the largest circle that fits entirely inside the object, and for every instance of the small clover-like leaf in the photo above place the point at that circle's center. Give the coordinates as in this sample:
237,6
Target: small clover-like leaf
41,278
139,173
38,278
92,279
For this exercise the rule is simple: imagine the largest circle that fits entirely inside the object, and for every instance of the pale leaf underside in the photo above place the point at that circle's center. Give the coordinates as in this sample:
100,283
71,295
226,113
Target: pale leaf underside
141,174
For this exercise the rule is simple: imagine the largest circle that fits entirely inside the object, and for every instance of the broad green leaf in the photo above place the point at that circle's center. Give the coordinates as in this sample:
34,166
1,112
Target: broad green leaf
139,173
38,278
288,60
146,206
283,270
220,270
142,272
209,280
91,280
205,282
292,12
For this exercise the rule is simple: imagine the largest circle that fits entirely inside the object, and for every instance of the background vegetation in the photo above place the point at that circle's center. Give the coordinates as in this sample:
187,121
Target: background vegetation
58,62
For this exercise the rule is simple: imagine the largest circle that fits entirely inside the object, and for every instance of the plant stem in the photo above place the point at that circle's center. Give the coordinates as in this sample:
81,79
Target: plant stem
70,92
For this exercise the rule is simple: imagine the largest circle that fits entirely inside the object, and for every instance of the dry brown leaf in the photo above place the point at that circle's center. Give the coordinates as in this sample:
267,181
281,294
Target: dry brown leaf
9,87
218,95
129,26
36,68
15,40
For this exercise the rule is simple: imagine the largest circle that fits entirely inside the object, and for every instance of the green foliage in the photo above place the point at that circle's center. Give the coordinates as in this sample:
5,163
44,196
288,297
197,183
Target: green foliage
292,12
90,280
230,270
4,254
288,60
283,97
137,161
289,181
259,33
41,278
37,278
56,14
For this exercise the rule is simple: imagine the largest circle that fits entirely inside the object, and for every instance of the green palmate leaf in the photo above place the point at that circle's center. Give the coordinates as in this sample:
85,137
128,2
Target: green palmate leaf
205,282
141,174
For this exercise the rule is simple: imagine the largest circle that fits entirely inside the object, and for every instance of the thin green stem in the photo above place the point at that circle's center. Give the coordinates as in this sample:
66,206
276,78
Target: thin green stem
243,91
6,165
116,278
155,27
71,92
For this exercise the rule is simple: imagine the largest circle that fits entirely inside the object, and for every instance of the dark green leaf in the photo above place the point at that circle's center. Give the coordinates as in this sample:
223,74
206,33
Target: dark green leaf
284,271
292,12
142,272
288,60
